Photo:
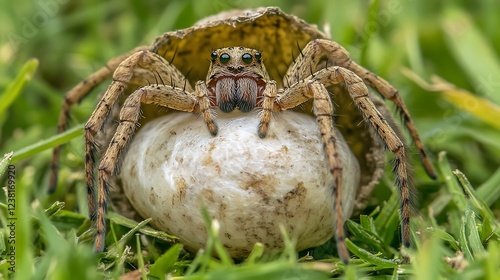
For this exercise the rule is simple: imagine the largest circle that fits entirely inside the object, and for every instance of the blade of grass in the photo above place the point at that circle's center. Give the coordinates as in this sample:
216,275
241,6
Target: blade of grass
166,262
54,208
492,269
257,252
464,245
63,257
366,236
479,107
452,185
54,141
472,51
387,221
121,220
470,242
140,259
17,85
477,202
24,232
428,261
367,223
473,239
4,163
489,190
112,251
443,235
369,257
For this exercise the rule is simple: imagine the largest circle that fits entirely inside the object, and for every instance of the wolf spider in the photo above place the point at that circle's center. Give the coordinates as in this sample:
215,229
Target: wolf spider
238,80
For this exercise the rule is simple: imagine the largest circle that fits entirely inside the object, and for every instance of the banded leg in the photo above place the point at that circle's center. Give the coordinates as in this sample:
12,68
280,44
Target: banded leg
308,88
267,108
293,96
162,95
359,94
75,95
317,51
142,67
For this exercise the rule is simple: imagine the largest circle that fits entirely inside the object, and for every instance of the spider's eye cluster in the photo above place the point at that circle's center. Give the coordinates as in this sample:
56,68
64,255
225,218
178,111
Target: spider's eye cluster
225,57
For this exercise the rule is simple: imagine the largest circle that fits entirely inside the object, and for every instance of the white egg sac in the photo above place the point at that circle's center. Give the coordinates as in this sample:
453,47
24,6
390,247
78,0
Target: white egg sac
174,167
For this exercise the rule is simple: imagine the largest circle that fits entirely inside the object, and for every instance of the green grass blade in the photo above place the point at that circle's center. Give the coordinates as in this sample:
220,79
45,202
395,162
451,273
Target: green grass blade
477,202
452,185
166,262
366,236
387,221
54,208
369,257
464,245
492,269
472,51
472,234
443,235
140,259
17,85
428,261
52,142
490,190
257,252
123,221
4,163
114,249
24,231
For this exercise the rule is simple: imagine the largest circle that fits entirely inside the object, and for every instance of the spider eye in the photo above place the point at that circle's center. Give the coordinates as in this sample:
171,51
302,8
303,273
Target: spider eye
224,58
247,58
213,56
258,56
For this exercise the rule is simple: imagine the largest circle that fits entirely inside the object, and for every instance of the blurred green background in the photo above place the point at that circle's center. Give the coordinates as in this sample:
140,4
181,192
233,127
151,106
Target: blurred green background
456,40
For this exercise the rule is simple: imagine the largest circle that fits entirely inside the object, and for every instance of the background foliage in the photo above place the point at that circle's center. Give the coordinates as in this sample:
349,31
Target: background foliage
406,42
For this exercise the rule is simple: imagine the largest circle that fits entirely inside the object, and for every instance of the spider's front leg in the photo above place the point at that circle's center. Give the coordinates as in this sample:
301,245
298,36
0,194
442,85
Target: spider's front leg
318,51
297,94
315,87
141,68
162,95
77,94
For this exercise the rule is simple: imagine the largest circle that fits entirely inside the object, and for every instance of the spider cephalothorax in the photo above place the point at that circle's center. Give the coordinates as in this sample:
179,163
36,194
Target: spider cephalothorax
235,78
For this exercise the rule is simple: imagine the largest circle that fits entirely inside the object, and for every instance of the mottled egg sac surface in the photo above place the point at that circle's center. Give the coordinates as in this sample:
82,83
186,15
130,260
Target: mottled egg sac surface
174,167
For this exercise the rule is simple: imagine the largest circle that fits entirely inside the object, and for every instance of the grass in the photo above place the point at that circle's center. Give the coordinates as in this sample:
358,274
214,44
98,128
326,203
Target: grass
49,47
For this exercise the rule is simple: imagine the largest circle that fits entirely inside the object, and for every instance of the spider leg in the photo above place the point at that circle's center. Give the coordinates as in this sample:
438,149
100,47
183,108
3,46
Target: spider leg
140,67
75,95
314,87
298,93
267,108
162,95
318,51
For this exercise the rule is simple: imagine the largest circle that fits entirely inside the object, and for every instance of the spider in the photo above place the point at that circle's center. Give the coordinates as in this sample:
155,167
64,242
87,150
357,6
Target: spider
237,79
